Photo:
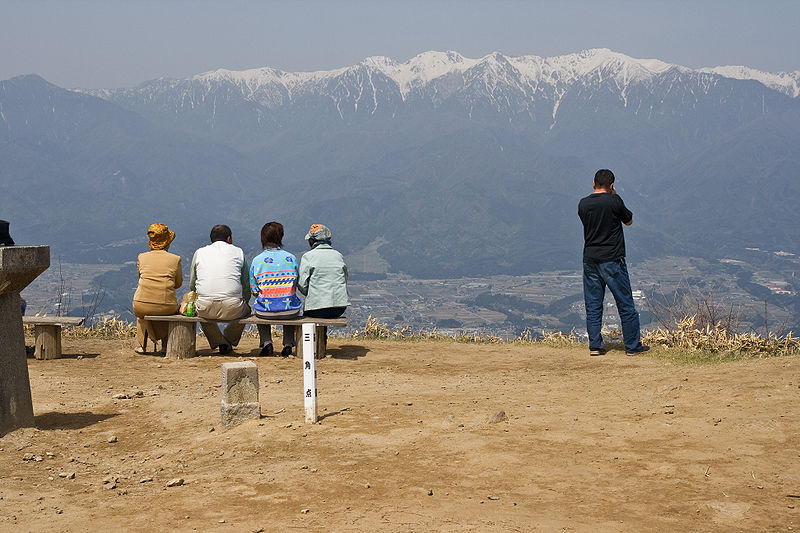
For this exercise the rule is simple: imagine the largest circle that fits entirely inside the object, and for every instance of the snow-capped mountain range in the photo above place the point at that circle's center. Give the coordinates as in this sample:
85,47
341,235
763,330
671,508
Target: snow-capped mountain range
435,76
786,82
529,72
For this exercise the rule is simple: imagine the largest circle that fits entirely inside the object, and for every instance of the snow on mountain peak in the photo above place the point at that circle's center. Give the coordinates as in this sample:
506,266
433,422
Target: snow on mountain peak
435,64
786,82
421,68
379,61
256,75
586,62
533,77
562,70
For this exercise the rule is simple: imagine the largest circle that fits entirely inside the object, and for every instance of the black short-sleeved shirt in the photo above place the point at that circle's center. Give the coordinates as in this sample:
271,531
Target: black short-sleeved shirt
603,215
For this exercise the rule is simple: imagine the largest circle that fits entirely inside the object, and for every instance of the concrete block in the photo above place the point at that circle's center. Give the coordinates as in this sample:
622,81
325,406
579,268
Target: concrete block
239,393
19,265
16,405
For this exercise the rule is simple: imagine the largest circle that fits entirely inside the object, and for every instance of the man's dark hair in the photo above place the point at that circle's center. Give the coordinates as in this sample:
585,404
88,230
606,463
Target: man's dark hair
603,178
272,235
220,232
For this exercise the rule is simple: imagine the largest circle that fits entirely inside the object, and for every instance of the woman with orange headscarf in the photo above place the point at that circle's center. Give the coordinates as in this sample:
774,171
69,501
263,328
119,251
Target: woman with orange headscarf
159,275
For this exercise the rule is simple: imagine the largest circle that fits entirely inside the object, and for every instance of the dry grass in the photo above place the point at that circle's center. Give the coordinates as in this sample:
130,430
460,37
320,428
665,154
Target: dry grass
697,325
106,327
554,338
703,307
717,339
684,341
689,339
374,329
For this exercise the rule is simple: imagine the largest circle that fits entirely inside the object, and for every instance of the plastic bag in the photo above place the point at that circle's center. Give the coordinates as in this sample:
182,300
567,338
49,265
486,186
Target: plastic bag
187,307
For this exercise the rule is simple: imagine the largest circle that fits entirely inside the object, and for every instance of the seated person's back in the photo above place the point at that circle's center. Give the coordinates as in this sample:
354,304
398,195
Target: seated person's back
218,271
159,274
273,281
219,277
323,276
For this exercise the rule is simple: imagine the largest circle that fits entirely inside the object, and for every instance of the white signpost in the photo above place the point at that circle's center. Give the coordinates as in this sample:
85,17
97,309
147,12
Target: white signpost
310,372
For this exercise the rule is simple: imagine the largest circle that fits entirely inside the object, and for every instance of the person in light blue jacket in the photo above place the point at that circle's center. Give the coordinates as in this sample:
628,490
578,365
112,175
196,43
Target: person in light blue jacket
273,277
323,277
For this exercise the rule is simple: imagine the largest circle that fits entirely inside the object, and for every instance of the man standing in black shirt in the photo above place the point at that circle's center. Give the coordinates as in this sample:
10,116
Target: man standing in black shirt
603,213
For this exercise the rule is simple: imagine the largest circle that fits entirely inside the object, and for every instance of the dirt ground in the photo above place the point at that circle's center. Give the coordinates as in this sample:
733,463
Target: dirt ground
409,441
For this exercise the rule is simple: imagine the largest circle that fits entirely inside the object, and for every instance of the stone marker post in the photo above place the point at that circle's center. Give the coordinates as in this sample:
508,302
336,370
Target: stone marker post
19,266
239,393
310,373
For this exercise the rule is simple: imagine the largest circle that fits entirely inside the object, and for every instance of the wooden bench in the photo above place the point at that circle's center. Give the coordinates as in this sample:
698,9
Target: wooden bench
47,330
182,341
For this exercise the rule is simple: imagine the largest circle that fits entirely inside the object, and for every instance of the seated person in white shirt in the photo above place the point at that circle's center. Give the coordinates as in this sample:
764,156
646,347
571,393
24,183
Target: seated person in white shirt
220,277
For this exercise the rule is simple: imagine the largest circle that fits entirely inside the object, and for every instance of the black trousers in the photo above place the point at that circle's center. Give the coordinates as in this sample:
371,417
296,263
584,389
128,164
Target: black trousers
325,312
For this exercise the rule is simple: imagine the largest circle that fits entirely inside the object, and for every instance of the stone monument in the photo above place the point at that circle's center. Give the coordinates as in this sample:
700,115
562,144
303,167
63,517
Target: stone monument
239,393
19,266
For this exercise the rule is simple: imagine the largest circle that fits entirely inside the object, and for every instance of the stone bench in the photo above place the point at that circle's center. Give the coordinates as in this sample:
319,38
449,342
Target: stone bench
47,330
182,340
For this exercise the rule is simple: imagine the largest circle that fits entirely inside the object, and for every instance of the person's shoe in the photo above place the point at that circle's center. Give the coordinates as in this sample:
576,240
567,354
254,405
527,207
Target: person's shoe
224,349
597,351
286,352
267,350
643,349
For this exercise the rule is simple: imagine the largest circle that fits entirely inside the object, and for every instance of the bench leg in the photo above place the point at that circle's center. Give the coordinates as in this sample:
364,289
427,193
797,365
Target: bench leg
298,341
322,345
181,340
48,342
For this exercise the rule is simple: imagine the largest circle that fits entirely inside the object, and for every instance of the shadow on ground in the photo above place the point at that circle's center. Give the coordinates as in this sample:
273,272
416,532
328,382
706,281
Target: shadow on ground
79,355
56,420
322,417
348,351
30,355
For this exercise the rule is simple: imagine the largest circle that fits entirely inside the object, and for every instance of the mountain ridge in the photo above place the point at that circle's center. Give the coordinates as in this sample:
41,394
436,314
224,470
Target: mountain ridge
246,109
432,65
478,157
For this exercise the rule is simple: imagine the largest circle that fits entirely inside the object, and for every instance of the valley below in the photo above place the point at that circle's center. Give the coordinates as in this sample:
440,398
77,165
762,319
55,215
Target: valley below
759,290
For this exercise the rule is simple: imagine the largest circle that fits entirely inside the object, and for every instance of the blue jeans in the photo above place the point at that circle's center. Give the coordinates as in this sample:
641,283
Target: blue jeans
614,275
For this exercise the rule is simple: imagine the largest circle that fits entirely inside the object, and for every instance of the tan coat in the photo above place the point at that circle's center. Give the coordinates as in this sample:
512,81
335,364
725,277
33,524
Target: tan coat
159,275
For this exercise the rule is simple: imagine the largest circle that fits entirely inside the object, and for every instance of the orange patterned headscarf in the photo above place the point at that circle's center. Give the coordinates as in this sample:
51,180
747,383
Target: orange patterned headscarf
160,236
318,232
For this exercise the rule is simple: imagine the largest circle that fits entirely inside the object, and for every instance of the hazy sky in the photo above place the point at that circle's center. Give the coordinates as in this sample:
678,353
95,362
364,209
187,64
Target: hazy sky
111,43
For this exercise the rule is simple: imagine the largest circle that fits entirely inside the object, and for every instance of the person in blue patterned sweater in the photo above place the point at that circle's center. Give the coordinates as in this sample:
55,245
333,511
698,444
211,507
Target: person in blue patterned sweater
273,281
